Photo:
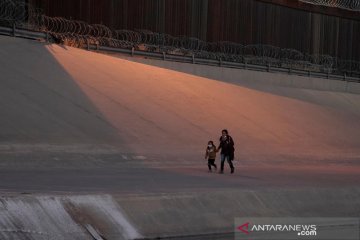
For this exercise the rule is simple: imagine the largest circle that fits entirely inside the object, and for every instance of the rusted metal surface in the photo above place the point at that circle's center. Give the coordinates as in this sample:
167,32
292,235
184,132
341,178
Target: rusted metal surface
308,28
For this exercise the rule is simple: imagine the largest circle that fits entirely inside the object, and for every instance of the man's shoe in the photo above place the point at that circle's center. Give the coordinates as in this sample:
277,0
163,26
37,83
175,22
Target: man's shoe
232,170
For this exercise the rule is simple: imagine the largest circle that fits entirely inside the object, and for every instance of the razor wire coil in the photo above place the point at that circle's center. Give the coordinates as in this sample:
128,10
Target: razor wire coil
353,5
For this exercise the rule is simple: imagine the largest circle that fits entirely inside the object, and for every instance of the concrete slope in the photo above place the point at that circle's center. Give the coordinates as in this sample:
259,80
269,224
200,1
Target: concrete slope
209,215
64,95
131,138
67,217
325,92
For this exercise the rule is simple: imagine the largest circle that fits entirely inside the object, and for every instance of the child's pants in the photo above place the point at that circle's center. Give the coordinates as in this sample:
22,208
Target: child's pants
211,162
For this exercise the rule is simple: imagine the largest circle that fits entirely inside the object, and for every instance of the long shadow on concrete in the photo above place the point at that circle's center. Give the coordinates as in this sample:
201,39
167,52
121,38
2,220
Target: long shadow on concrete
42,104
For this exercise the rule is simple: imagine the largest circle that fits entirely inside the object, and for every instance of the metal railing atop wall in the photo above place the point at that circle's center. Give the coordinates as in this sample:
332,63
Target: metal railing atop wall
18,18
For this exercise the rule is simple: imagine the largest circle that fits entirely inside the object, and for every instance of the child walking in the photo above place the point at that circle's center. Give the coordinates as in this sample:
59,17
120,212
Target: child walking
210,154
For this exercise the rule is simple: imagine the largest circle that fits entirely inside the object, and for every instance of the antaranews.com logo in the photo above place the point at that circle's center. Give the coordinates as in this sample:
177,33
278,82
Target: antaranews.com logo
297,228
301,230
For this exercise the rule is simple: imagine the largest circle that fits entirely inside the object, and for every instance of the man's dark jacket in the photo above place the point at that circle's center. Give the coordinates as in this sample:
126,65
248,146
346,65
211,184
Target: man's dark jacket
227,147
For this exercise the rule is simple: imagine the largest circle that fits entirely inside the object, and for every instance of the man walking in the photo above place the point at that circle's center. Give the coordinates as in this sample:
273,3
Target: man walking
227,150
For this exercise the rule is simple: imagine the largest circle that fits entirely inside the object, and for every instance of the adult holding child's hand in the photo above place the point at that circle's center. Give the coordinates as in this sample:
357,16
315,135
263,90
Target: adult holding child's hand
227,150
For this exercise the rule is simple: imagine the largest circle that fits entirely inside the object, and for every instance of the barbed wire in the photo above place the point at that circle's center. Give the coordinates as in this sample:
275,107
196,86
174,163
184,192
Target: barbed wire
81,34
353,5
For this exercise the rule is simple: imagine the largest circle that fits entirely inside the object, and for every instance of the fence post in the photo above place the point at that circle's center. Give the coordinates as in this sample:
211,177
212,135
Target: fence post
220,62
344,76
47,36
132,51
193,59
164,56
268,67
